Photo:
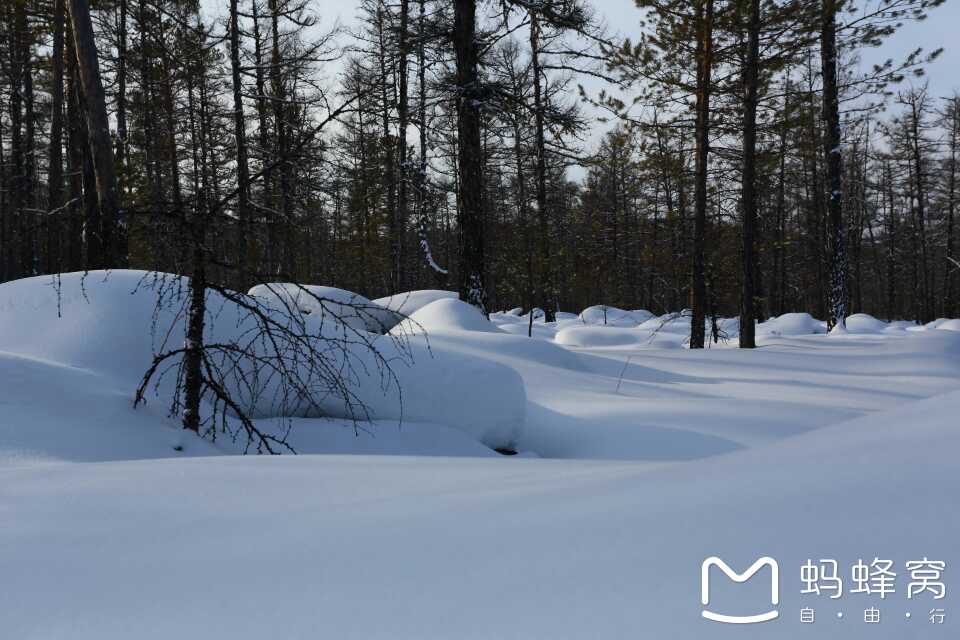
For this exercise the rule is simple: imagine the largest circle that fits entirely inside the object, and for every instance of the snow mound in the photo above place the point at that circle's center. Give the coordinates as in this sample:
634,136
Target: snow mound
675,323
792,324
332,303
612,316
110,324
443,316
104,322
407,303
865,323
949,325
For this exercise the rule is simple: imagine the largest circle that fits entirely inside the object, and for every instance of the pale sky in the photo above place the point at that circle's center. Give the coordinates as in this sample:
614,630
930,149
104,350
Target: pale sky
941,29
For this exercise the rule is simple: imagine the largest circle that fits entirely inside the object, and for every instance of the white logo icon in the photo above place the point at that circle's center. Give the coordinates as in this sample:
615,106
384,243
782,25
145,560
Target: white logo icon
740,577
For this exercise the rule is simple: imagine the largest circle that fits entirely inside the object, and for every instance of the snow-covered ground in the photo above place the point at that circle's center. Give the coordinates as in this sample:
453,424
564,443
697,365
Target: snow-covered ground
638,460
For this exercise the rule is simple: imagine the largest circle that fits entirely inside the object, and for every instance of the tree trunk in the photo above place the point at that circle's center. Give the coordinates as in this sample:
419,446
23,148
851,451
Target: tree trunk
121,99
926,310
748,302
833,152
55,156
243,167
470,156
950,292
704,24
543,227
77,150
403,117
99,133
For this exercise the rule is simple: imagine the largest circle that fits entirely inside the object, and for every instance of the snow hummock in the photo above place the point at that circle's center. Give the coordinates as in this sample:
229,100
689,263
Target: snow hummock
949,325
407,303
864,323
338,305
110,326
792,324
444,315
612,316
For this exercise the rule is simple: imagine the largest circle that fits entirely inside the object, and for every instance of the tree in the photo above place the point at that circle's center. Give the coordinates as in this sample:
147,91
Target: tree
748,303
98,128
470,99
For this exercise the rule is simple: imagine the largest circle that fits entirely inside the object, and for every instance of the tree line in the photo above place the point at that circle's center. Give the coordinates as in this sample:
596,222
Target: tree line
749,164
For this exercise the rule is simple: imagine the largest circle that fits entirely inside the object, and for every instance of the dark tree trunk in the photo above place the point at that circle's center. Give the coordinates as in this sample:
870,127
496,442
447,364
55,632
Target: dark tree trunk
18,163
121,99
470,156
748,302
99,133
950,291
403,118
704,24
28,217
243,168
55,167
926,306
779,262
77,151
193,354
545,279
833,152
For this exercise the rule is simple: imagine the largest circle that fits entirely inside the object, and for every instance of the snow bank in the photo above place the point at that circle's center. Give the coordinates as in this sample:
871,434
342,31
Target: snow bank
864,323
444,315
612,316
949,325
331,303
405,304
792,324
107,323
111,325
678,323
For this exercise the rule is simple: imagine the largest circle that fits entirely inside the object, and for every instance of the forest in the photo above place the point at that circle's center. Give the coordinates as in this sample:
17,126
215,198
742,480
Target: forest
737,158
479,319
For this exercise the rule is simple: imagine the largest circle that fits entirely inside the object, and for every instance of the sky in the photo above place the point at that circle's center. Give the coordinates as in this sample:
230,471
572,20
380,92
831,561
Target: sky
938,30
623,18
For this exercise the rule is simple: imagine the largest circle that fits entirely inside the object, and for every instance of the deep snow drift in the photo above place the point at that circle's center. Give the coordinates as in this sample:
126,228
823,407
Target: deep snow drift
816,446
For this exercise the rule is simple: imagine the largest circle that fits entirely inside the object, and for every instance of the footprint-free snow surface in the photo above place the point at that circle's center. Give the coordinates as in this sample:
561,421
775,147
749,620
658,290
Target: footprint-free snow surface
638,459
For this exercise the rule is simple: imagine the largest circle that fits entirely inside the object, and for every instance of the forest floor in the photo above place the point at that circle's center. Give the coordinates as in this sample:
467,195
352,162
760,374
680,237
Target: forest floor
637,460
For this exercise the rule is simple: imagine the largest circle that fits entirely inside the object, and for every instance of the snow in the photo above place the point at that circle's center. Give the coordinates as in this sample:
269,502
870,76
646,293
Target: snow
607,315
792,324
332,303
864,323
367,547
405,304
949,325
110,327
638,458
445,315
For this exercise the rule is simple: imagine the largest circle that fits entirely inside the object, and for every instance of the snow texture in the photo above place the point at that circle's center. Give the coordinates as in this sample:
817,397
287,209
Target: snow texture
810,446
